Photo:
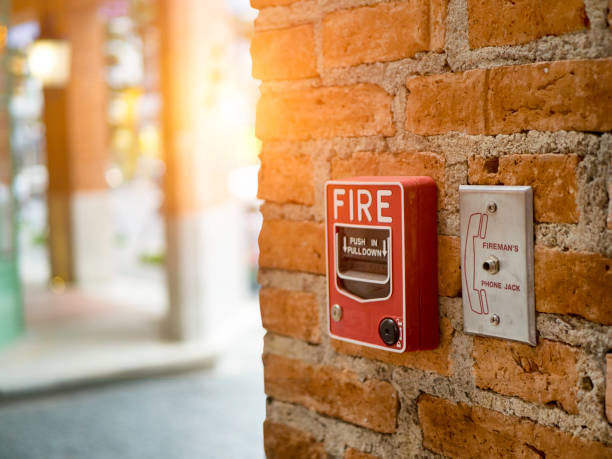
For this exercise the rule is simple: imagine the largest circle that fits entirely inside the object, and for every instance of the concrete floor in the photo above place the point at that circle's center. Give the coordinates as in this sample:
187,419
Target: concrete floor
196,415
64,392
78,336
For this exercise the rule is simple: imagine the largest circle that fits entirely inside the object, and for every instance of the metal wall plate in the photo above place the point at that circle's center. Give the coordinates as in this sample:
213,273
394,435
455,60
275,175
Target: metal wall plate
497,261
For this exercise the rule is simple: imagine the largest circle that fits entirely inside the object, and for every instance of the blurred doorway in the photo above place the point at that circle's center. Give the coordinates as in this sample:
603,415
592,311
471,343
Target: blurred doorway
136,206
103,231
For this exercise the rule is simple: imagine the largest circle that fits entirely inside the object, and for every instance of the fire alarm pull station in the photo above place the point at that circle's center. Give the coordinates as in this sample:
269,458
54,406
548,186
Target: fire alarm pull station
497,261
381,244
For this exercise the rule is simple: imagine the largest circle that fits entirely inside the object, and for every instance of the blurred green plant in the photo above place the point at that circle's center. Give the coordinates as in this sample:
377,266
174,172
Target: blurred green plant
152,258
40,239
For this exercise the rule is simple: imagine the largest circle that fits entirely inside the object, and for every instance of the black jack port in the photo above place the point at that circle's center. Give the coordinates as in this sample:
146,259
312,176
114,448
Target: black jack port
389,331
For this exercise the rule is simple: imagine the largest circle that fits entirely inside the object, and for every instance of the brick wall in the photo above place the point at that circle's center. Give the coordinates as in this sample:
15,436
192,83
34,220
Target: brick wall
465,91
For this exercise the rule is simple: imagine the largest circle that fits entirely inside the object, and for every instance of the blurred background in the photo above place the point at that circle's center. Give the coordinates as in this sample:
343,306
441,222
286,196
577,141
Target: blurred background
129,321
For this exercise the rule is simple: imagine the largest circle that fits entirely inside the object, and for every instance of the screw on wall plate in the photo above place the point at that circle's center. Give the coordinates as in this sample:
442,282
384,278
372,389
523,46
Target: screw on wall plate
494,319
491,265
336,313
491,207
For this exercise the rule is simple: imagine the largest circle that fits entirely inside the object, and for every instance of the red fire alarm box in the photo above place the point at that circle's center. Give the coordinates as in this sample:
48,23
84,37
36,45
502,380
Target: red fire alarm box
382,262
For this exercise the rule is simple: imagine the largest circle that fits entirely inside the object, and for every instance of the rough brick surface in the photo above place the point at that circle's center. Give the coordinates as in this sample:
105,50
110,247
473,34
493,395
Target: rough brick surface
449,266
565,95
436,104
552,177
382,32
290,313
296,246
285,177
339,393
496,92
266,3
282,442
411,163
609,180
610,206
347,111
543,374
458,430
574,283
609,387
437,360
437,24
500,22
285,54
355,454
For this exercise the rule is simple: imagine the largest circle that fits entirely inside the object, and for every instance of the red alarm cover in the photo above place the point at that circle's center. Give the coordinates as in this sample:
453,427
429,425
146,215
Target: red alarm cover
382,262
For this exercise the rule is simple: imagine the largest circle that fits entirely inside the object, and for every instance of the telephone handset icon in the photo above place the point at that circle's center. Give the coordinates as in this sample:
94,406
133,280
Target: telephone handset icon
477,229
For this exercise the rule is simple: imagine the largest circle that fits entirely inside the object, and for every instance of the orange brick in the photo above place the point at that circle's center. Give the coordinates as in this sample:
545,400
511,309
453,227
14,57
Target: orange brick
459,430
449,266
543,374
413,163
296,246
282,442
609,387
339,393
355,454
259,4
577,283
562,16
285,177
610,205
437,360
382,32
552,96
290,313
437,21
339,111
286,54
566,95
552,177
437,104
500,22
